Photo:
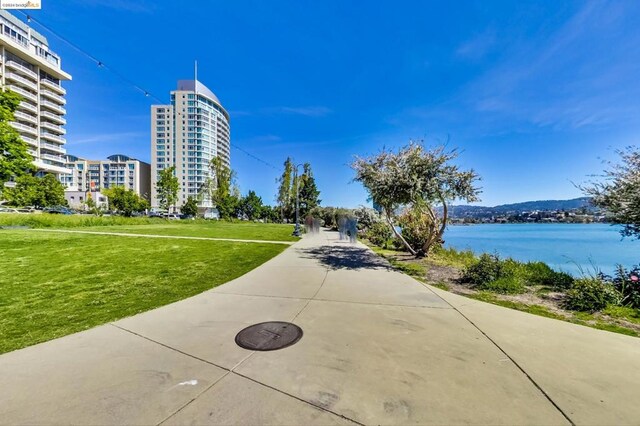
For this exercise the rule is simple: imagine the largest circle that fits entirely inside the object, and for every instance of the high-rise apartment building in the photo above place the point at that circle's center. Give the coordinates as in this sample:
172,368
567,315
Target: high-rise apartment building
30,69
188,134
117,170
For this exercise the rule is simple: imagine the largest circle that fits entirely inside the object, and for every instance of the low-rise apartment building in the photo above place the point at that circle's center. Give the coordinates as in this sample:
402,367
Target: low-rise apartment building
116,170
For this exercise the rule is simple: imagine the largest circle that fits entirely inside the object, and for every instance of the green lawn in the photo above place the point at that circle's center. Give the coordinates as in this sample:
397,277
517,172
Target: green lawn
143,225
240,230
53,284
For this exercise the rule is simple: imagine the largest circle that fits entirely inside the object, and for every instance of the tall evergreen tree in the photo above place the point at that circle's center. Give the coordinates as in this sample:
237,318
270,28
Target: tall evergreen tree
286,190
309,193
15,161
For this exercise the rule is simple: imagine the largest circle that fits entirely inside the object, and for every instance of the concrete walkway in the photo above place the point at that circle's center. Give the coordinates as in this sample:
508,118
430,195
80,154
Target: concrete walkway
378,348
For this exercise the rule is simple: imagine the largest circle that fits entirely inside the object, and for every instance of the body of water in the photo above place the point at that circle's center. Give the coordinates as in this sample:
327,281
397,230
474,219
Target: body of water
566,247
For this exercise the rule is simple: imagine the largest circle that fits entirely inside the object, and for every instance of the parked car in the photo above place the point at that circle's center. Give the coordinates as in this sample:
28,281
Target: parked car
8,210
187,217
172,216
57,210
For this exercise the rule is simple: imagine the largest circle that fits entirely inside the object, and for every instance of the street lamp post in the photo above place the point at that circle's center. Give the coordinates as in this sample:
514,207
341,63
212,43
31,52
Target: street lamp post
296,231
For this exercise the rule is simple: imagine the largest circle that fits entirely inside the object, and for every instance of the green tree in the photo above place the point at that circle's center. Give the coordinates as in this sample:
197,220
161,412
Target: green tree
52,191
33,191
309,193
15,161
420,179
92,207
124,201
167,188
190,207
619,192
286,190
221,188
251,206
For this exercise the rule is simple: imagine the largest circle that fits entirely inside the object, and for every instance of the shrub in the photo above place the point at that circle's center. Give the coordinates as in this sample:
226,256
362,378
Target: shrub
486,269
627,283
591,294
539,273
379,233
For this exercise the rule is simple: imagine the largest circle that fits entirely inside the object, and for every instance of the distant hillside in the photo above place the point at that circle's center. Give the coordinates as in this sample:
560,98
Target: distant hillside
516,208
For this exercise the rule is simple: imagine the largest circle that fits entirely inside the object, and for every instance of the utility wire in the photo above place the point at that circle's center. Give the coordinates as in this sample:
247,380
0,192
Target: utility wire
124,78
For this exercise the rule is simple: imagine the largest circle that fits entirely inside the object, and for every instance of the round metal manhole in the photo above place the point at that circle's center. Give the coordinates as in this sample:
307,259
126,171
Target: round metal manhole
269,336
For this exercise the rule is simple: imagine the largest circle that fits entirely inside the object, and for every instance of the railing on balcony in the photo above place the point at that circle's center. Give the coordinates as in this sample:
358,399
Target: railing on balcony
53,106
59,129
53,85
28,106
29,140
21,68
55,117
51,95
28,83
51,137
52,147
57,158
25,93
23,128
19,115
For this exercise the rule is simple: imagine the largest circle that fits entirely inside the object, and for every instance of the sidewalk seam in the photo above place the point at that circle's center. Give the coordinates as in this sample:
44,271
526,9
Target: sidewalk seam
298,398
169,347
531,379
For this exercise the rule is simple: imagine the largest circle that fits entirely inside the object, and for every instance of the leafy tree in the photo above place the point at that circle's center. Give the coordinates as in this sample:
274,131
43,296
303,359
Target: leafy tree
26,192
92,206
52,191
251,206
421,179
221,189
190,207
125,201
167,187
286,190
309,193
15,161
619,193
33,191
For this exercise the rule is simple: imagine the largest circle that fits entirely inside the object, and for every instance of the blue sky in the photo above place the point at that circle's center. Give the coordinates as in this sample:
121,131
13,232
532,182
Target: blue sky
536,94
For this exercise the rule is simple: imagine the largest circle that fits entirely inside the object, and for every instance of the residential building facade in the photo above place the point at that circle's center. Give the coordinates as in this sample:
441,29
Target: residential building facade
116,170
187,135
29,68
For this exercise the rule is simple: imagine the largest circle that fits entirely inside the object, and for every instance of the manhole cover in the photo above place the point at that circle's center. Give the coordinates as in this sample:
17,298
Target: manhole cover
269,336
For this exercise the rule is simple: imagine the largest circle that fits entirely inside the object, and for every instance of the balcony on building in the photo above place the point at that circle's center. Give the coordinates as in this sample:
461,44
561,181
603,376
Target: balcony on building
21,69
51,137
53,96
54,117
53,127
52,106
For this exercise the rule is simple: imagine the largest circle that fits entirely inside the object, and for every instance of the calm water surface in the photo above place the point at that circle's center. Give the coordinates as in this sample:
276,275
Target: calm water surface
566,247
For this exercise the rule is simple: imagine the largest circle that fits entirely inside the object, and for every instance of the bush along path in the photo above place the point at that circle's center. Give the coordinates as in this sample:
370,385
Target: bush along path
605,302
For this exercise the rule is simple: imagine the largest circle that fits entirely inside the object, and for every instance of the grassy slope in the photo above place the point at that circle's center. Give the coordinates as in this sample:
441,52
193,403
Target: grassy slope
56,284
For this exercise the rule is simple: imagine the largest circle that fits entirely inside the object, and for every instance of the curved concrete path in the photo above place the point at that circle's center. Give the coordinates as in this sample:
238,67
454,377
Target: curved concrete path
378,348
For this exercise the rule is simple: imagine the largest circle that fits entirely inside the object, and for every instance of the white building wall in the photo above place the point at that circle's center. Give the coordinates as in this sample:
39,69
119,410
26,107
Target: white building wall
188,134
29,68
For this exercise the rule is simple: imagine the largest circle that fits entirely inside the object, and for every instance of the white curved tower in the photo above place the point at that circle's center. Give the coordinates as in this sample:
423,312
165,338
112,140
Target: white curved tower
188,134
